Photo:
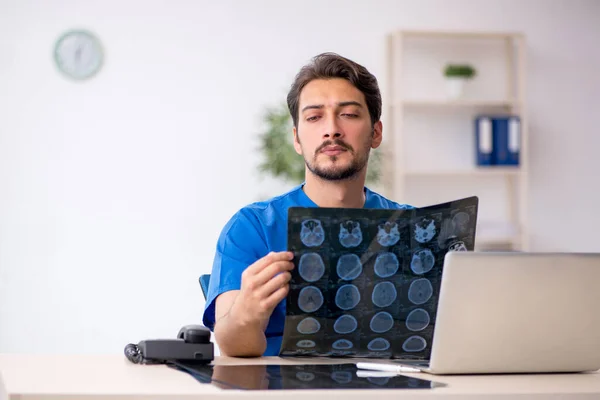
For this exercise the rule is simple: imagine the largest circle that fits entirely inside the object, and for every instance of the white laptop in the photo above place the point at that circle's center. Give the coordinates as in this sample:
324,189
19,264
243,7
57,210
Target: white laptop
516,313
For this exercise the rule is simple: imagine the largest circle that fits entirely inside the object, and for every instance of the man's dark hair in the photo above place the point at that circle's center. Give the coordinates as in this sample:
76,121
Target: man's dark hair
329,66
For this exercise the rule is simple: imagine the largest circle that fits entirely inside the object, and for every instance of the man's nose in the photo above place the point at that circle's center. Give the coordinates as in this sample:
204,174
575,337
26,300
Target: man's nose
332,129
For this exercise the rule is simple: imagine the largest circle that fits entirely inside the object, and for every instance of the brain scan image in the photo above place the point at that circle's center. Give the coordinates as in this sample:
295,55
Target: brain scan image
311,267
420,291
342,376
347,297
345,324
342,344
388,234
312,233
459,245
349,267
366,280
306,343
386,265
308,326
414,344
422,261
381,322
378,344
305,376
310,299
379,380
461,222
384,294
350,234
424,230
417,320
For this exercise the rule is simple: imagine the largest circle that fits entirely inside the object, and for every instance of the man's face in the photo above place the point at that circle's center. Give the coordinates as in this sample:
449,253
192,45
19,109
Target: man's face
334,132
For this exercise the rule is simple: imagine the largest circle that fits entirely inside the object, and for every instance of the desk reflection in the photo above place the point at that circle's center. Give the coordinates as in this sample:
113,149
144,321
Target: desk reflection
252,377
321,376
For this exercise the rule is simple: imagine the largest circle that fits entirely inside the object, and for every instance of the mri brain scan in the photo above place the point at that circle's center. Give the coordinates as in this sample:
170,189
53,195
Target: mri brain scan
350,234
345,324
417,320
425,230
381,322
378,344
311,267
422,261
386,265
308,326
312,233
420,291
384,294
414,344
347,297
310,299
349,267
388,234
366,280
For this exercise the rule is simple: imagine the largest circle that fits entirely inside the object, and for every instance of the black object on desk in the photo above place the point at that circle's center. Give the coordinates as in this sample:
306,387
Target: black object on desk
311,376
192,344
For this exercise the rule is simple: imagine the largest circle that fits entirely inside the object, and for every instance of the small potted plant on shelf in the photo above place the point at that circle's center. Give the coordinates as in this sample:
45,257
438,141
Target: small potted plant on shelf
456,76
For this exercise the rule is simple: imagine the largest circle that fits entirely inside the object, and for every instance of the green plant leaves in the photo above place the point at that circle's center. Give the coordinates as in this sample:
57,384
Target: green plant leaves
459,70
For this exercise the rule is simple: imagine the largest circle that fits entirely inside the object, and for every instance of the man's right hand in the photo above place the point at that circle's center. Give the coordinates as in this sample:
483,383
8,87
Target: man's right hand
265,283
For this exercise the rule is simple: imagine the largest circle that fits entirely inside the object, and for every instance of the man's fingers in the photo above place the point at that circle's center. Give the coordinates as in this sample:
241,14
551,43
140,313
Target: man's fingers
269,259
276,297
269,272
275,283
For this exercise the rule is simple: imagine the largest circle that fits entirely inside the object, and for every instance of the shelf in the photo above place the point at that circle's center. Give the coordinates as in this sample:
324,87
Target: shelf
459,103
459,34
492,235
495,242
474,172
424,119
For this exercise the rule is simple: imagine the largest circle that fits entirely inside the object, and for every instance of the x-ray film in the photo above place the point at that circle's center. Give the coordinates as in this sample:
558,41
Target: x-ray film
366,281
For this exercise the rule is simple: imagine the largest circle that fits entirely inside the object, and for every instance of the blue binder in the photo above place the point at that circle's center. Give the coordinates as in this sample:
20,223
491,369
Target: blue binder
484,140
507,140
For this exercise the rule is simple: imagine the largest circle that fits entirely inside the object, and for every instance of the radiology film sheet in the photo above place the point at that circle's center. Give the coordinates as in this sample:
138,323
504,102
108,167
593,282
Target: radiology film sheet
366,281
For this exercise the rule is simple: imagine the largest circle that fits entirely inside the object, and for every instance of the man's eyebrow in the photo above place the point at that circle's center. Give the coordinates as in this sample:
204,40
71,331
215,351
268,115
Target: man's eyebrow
340,104
313,106
349,103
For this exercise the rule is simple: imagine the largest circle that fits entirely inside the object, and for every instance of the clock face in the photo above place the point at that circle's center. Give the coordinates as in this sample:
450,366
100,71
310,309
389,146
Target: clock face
78,54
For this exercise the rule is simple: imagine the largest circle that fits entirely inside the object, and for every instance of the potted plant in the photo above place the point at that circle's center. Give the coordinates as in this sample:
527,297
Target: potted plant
279,158
456,76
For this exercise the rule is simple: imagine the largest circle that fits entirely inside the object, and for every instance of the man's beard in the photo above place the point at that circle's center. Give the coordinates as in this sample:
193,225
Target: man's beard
359,162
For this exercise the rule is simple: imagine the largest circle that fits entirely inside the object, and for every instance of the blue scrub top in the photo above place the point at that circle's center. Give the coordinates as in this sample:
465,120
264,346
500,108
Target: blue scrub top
252,233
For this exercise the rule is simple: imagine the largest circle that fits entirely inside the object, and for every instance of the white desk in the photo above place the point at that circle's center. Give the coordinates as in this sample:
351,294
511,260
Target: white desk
29,377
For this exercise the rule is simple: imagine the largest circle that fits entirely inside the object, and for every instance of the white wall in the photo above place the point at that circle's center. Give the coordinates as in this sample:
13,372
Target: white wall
113,191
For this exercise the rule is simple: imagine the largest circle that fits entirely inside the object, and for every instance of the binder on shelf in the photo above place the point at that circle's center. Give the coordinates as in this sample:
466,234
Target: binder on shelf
507,140
497,140
484,141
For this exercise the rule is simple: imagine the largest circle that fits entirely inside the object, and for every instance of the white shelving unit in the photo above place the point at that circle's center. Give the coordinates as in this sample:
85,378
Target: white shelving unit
429,141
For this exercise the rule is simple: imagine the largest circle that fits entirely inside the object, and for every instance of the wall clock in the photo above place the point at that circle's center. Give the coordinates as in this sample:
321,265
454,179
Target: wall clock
78,54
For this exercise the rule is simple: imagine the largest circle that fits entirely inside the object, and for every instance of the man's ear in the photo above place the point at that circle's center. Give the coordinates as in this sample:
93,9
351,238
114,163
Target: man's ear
377,134
297,142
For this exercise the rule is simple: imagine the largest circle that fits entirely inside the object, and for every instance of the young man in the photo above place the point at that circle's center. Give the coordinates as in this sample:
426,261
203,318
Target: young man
335,105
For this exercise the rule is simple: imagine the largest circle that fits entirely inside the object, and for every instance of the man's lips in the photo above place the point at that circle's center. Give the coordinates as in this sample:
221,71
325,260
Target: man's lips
333,150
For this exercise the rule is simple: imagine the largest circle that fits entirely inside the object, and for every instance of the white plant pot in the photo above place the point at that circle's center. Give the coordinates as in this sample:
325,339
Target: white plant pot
455,88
